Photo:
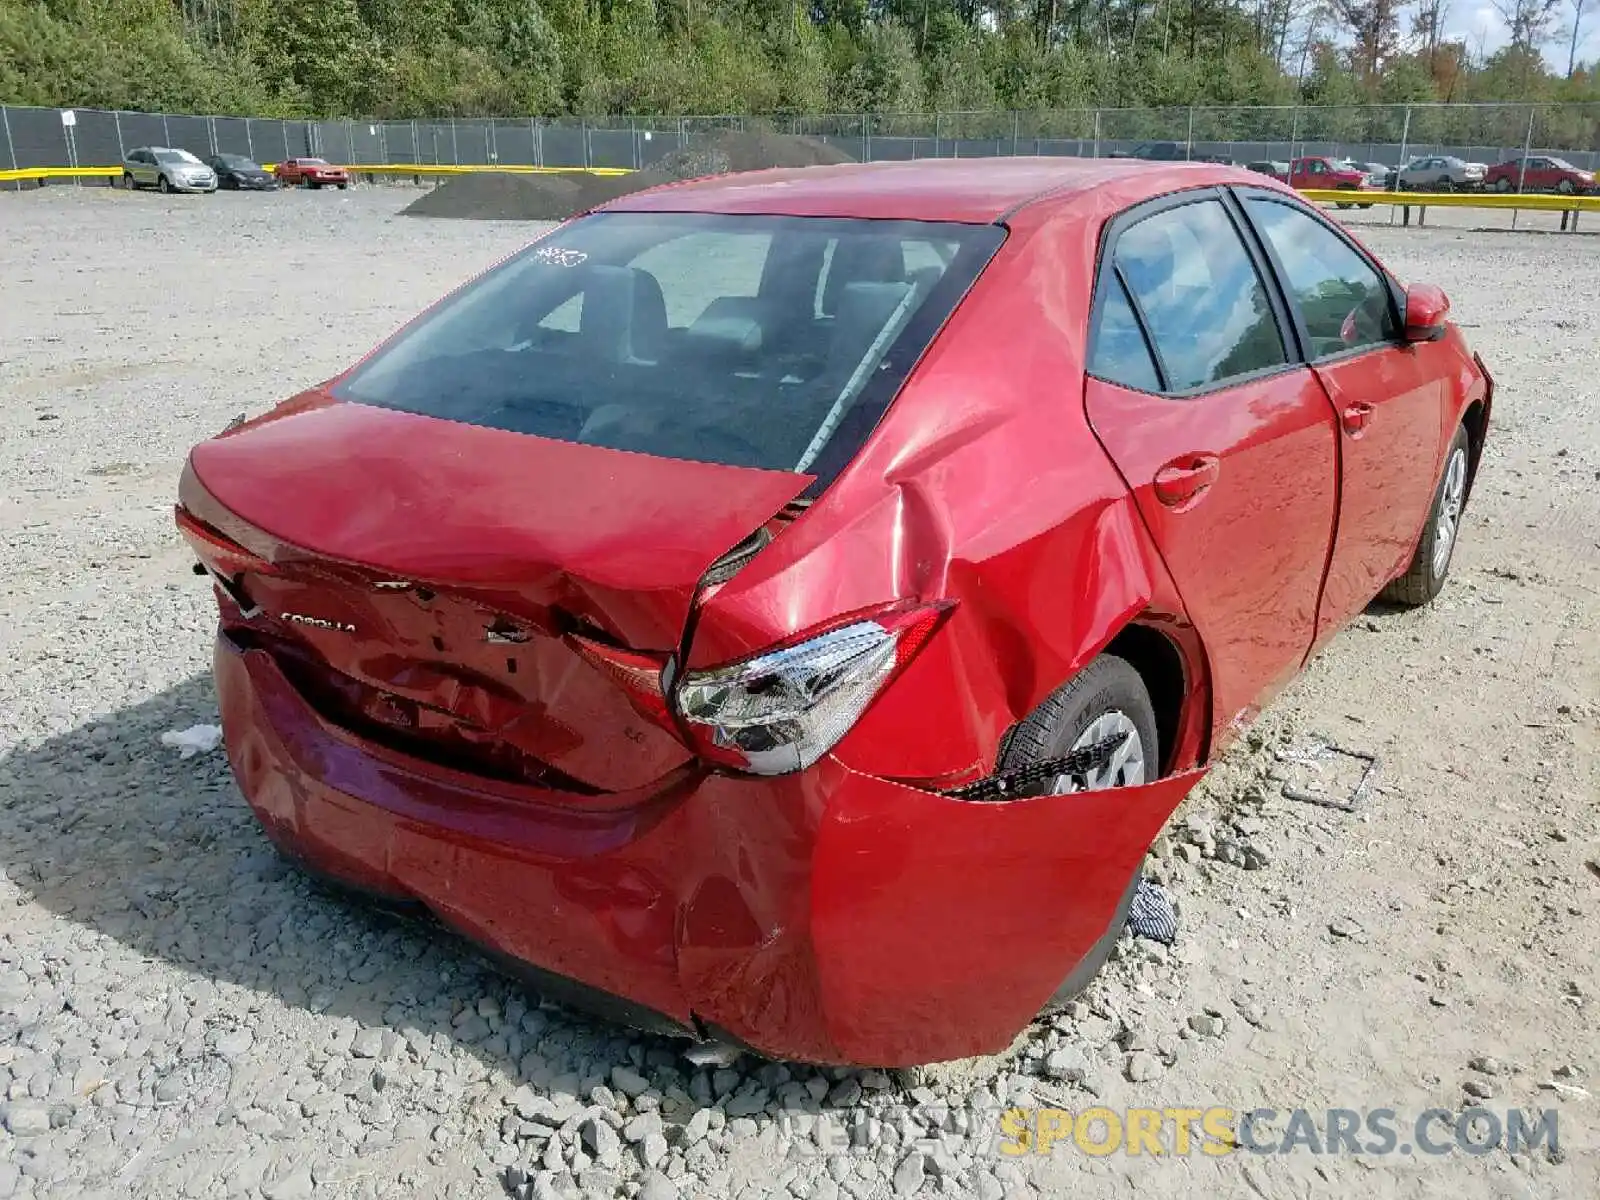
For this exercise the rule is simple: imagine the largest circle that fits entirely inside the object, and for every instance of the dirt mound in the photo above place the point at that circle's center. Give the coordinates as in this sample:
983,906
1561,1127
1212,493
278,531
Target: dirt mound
738,150
504,196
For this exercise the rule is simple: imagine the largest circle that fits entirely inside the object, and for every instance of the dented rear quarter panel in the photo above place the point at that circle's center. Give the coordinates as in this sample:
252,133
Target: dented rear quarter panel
983,484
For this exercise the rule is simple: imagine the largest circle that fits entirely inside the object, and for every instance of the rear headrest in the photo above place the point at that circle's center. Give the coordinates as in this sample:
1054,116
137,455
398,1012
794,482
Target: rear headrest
873,258
729,326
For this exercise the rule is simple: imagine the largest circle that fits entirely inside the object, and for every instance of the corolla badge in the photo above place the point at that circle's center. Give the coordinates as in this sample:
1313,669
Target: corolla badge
317,622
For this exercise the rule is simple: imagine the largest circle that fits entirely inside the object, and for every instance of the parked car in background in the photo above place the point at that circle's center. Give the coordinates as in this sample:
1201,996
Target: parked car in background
235,172
775,668
166,170
1320,172
1542,174
1381,175
313,172
1441,173
1169,152
1271,169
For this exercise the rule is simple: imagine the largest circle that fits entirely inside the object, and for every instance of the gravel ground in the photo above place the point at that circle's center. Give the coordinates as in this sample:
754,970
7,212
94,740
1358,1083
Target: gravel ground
181,1015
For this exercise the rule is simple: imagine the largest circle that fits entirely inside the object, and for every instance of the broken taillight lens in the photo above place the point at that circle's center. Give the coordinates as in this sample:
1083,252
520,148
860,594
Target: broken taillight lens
638,673
782,710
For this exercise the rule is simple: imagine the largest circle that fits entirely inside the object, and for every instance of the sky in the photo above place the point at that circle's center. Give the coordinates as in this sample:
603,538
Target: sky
1474,19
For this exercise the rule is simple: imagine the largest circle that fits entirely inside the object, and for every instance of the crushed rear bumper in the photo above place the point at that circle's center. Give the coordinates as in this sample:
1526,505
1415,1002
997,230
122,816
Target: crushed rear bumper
824,917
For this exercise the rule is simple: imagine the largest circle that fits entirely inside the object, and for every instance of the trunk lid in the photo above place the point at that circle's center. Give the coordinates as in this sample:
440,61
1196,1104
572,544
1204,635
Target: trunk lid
416,577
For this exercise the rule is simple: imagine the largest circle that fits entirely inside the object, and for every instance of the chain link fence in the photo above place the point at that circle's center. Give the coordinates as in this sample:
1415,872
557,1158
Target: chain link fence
1388,134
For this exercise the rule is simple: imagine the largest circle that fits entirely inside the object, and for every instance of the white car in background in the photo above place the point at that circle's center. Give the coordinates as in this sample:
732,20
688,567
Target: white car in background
1441,173
166,170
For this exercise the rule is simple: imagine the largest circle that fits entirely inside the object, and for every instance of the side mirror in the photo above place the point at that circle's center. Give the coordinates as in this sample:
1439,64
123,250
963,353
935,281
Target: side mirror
1426,309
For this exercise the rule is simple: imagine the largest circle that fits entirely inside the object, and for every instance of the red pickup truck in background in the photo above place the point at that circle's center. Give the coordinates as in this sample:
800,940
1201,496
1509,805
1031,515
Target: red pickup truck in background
1331,174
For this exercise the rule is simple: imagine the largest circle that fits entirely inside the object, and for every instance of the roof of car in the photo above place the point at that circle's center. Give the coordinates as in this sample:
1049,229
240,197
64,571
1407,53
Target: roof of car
941,189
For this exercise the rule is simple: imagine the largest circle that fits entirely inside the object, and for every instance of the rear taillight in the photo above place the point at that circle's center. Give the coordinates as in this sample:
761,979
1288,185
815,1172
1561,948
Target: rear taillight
783,709
780,710
224,560
638,673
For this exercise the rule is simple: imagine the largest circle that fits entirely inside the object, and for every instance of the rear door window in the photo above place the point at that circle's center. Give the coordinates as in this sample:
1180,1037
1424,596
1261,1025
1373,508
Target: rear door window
1202,300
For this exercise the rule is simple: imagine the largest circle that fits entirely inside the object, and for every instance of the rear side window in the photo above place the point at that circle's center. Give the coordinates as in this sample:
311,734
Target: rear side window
759,341
1121,355
1343,301
1200,295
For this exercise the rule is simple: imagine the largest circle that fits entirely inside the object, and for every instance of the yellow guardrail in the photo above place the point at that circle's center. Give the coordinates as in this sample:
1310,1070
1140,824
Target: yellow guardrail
417,169
1531,201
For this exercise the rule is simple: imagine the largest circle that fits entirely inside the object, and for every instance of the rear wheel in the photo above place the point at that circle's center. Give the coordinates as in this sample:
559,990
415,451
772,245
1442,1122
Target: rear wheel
1105,699
1565,187
128,183
1430,565
1502,184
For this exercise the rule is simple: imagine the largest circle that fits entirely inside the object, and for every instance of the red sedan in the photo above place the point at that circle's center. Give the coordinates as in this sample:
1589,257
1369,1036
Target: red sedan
313,172
1539,173
784,608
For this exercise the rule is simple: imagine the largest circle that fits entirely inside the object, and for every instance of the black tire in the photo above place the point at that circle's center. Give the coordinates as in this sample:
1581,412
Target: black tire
1424,578
162,185
1565,187
344,187
1108,684
128,182
313,185
1502,184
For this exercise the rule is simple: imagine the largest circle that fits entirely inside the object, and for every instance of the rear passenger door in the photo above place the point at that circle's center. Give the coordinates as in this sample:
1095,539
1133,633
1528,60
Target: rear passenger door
1224,436
1390,396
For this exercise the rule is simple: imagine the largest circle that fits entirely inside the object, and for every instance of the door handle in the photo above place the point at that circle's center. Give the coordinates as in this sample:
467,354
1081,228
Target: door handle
1356,416
1183,479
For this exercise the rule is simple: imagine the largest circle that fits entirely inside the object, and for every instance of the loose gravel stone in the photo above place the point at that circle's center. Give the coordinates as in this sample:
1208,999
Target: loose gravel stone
629,1082
1141,1067
24,1118
656,1186
908,1176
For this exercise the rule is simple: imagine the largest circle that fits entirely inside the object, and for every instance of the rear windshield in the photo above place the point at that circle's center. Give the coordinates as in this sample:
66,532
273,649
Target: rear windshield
773,342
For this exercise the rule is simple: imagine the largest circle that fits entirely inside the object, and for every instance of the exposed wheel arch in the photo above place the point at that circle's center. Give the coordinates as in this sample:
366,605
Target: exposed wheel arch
1160,665
1476,420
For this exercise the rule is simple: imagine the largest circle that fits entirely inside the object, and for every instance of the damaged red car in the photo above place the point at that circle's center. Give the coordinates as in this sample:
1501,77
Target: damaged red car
784,608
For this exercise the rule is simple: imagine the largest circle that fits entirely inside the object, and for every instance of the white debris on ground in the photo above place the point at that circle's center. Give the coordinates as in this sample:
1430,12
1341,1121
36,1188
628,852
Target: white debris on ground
183,1015
197,739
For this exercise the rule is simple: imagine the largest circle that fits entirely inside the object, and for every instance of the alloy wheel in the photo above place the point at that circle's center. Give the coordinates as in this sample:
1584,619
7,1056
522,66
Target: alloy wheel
1448,520
1126,766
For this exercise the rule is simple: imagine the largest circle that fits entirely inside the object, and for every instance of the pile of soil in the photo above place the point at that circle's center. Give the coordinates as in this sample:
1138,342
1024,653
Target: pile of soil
502,196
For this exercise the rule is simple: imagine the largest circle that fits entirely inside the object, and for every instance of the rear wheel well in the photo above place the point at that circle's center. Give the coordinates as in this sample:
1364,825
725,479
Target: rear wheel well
1160,667
1476,420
